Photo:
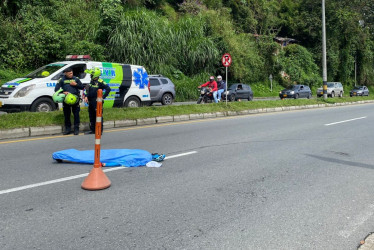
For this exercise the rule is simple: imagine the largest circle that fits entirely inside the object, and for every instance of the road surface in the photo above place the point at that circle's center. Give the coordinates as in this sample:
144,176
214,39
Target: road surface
286,180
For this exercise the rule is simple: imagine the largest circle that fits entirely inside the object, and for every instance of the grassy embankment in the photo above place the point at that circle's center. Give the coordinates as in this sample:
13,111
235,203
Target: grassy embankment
29,119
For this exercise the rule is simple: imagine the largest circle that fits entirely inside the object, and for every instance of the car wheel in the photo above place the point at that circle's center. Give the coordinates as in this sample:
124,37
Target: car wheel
167,99
250,98
341,94
309,95
43,104
297,96
333,94
232,98
132,102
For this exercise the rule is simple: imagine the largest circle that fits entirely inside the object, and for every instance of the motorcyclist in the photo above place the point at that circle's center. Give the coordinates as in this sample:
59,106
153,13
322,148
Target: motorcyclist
212,85
221,85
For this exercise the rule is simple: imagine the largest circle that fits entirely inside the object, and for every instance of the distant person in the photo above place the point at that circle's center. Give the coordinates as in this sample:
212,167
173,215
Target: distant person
212,85
90,97
70,86
221,86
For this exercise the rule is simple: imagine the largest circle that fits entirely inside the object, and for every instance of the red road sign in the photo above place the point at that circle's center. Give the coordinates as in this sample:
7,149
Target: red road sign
226,60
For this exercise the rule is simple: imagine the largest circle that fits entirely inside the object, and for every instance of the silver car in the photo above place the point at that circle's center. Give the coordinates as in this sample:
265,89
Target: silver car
359,91
333,89
162,89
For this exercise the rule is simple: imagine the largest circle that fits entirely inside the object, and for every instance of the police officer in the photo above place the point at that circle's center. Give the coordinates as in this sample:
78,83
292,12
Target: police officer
91,94
71,86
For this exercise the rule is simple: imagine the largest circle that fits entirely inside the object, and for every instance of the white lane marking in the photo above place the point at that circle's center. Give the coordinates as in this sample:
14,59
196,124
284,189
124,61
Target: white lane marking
359,118
359,220
6,191
184,154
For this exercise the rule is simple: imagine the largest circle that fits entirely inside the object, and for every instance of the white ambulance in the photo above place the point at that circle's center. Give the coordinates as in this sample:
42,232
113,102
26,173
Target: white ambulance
129,85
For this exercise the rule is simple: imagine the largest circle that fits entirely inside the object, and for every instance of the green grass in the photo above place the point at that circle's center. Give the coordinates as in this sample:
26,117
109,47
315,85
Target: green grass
29,119
264,89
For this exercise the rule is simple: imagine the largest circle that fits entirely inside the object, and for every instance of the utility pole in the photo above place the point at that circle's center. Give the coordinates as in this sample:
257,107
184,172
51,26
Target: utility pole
324,64
271,82
356,69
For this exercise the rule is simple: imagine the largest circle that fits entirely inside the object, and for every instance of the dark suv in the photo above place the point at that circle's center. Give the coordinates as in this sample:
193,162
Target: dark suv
162,89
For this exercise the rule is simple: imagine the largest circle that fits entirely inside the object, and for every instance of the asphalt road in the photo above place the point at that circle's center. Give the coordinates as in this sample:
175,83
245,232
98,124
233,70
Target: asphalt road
290,180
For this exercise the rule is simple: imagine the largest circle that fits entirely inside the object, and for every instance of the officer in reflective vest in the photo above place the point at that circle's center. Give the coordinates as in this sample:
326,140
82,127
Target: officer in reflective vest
71,86
90,93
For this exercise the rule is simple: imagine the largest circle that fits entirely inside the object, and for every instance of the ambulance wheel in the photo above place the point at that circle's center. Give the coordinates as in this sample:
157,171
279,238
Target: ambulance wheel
43,104
132,102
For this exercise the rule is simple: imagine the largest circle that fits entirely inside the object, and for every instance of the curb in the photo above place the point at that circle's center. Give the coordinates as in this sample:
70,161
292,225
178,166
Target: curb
55,130
368,243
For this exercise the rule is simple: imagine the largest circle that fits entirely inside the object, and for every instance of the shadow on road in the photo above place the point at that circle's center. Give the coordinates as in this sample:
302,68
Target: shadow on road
344,162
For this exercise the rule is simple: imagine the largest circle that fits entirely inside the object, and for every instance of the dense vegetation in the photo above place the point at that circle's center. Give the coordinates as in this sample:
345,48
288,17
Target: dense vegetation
185,39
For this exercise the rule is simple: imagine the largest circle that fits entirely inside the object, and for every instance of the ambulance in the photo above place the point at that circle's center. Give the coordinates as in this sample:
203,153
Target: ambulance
129,85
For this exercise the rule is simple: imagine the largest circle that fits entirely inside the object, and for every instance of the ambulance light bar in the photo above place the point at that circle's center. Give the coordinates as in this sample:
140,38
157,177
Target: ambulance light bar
78,58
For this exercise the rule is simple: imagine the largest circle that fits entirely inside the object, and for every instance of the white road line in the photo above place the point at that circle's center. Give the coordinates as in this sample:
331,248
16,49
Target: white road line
184,154
359,118
6,191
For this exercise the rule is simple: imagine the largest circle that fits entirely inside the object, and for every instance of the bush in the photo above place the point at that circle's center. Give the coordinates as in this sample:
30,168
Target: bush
298,63
142,37
8,74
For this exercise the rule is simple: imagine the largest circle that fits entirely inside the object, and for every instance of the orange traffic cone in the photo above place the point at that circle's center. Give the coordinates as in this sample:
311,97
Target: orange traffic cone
96,179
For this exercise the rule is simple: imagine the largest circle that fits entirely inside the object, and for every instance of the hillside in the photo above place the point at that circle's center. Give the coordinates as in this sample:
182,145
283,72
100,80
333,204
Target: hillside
186,39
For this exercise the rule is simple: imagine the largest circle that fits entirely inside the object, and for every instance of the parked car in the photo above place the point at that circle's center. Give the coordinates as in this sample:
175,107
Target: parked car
238,91
333,89
359,91
296,91
162,89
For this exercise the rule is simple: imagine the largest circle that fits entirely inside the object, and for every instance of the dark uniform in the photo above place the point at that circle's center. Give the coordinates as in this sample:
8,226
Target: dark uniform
64,83
91,94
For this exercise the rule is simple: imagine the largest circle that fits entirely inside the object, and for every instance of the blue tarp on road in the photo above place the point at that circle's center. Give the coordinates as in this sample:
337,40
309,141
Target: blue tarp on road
111,157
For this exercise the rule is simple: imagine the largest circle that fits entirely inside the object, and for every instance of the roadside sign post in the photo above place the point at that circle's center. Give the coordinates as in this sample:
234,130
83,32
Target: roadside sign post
226,62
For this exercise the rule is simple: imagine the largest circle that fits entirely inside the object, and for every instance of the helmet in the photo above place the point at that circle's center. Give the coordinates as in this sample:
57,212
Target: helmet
58,96
45,73
95,72
71,99
219,77
211,78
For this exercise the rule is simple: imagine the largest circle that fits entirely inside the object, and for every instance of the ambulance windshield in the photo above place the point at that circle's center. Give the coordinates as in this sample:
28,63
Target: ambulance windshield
46,70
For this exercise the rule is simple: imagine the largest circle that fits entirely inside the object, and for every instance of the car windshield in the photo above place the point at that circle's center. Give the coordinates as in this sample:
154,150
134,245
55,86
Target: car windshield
358,88
293,87
46,70
233,87
330,85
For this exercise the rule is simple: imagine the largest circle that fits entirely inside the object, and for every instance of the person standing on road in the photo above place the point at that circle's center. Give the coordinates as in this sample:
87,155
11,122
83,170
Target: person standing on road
212,84
70,86
221,86
90,93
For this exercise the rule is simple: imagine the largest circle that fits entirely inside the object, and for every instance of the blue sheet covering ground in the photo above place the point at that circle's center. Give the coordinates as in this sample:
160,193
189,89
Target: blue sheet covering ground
111,157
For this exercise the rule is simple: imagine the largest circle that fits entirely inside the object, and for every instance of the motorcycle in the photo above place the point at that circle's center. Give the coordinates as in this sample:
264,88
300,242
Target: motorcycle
206,96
